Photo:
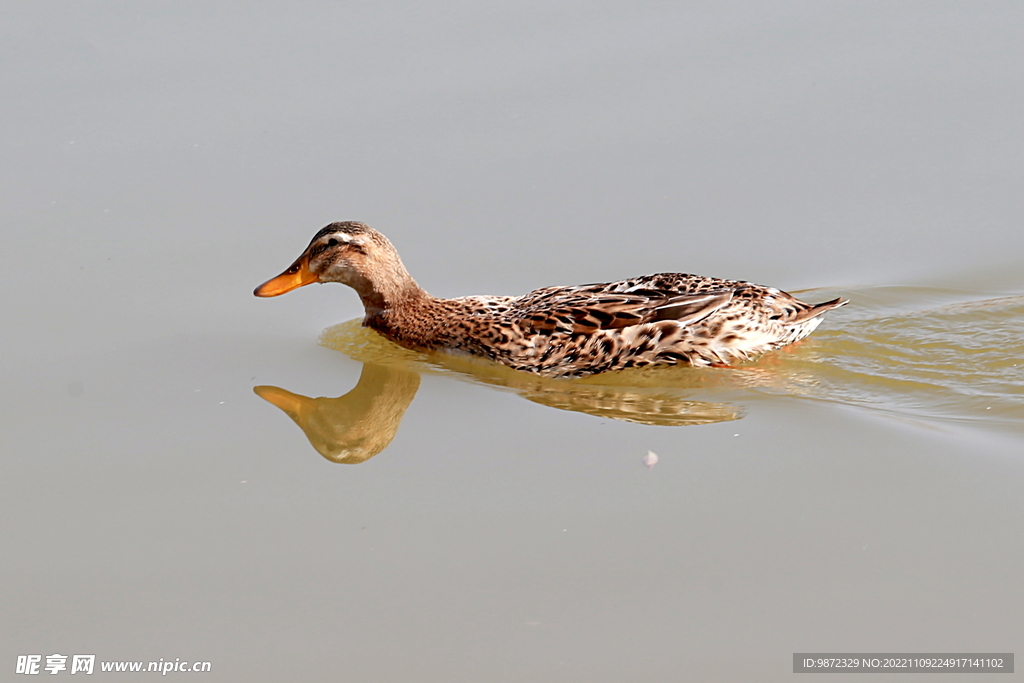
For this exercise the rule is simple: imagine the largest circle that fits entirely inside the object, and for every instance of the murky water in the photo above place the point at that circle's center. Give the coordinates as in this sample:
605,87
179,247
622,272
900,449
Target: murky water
859,491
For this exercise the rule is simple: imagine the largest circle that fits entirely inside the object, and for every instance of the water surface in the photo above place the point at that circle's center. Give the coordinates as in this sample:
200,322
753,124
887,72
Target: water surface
857,492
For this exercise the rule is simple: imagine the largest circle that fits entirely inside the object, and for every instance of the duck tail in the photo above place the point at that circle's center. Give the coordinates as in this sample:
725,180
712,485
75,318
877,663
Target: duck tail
818,309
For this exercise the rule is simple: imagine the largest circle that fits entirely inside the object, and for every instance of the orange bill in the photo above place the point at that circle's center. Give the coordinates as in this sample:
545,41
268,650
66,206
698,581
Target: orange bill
293,278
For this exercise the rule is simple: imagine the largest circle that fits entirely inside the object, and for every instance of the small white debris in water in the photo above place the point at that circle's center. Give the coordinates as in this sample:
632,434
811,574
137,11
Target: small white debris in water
222,402
735,434
651,459
244,481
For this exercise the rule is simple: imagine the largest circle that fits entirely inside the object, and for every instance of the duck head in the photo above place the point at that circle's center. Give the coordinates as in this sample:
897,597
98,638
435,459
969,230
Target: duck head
350,253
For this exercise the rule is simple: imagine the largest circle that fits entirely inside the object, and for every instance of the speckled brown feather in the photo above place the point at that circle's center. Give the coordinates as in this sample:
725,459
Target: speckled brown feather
662,319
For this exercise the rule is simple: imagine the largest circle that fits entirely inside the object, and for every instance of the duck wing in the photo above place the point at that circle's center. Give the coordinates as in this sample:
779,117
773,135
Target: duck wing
578,311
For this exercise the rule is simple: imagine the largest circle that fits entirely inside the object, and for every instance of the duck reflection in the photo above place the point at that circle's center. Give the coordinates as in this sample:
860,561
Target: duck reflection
355,427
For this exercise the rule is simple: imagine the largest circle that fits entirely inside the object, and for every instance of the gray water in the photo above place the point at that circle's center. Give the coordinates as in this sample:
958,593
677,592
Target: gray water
858,492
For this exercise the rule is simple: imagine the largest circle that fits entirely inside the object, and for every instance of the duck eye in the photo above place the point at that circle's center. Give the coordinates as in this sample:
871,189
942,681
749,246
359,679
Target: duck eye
332,242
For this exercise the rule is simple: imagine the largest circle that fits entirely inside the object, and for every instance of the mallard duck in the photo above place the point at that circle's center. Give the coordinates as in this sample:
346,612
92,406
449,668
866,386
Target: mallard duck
662,319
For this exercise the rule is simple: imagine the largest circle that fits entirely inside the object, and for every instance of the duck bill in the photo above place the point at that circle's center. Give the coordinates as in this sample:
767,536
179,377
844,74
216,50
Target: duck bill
293,278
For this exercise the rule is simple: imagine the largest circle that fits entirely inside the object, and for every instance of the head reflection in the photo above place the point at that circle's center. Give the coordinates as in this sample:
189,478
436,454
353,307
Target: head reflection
355,427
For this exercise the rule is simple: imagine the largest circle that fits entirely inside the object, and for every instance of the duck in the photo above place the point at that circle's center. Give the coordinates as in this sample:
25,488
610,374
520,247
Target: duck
561,331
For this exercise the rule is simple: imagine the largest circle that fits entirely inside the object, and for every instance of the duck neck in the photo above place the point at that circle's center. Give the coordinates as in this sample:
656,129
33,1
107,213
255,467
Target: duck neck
400,309
398,293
